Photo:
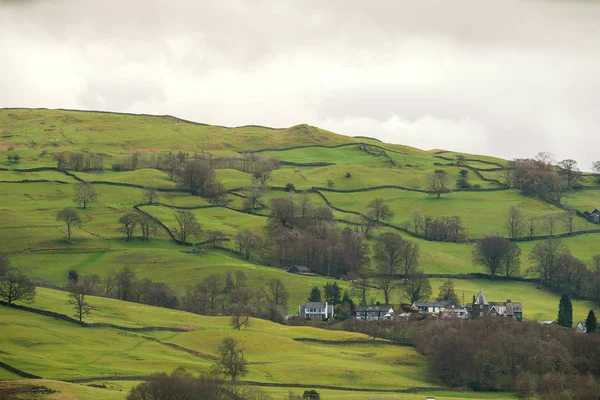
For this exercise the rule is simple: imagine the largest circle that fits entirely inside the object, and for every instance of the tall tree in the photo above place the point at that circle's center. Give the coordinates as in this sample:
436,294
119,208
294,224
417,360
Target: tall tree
231,361
333,293
70,218
596,166
512,260
379,210
187,225
591,324
569,169
568,219
447,292
418,220
490,252
360,289
438,183
77,298
248,242
315,294
128,223
544,256
565,312
214,237
196,176
276,293
150,195
85,193
15,284
253,195
515,223
147,224
240,316
417,288
283,210
389,254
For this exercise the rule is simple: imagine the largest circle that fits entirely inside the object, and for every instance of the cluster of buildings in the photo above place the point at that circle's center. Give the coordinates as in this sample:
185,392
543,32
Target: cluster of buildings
593,216
480,307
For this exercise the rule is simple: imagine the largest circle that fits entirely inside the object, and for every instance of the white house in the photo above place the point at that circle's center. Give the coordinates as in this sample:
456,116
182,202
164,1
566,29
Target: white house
316,310
433,307
373,313
455,312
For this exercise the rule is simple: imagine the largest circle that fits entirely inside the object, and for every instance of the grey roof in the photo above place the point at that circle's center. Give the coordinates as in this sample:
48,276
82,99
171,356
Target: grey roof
302,268
374,308
480,299
430,304
509,307
312,304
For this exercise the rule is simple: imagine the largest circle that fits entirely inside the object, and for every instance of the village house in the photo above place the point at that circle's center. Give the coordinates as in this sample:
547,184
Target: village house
373,313
454,312
593,216
482,308
433,307
316,310
300,269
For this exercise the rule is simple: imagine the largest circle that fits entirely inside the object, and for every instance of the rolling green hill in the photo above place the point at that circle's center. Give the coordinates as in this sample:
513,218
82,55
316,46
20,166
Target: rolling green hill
333,170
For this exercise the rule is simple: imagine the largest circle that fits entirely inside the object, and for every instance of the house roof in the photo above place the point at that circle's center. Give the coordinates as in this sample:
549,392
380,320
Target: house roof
509,308
480,299
430,304
312,304
374,308
302,268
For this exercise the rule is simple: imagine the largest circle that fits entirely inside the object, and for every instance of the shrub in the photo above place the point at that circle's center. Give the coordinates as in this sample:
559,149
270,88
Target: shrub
348,175
289,187
330,183
477,186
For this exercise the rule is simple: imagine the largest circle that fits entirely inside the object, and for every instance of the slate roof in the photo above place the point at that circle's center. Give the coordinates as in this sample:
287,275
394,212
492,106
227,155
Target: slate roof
480,299
314,304
509,307
430,304
373,308
302,268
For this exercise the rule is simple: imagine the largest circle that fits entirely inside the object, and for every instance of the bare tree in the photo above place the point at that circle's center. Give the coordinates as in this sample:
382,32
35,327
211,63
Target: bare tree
248,242
418,219
15,284
110,281
187,225
550,221
490,252
147,224
150,195
360,289
70,218
544,256
508,175
438,183
515,223
231,360
264,169
253,195
276,293
596,166
569,169
417,288
85,194
283,210
128,223
196,176
512,260
410,258
379,210
532,222
596,262
568,218
77,295
389,253
214,237
240,316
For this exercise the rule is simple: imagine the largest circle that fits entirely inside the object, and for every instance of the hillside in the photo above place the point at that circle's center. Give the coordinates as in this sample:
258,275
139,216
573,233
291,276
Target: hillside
326,170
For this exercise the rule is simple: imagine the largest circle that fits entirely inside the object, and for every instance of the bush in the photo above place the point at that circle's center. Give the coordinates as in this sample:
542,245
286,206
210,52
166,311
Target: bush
289,187
348,175
477,186
330,183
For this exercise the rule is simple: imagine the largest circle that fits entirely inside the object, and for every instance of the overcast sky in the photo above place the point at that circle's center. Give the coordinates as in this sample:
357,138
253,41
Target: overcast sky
507,78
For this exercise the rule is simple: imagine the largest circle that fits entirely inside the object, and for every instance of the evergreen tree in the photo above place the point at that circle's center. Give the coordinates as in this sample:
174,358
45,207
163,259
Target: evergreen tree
591,324
447,292
346,299
315,295
333,293
565,312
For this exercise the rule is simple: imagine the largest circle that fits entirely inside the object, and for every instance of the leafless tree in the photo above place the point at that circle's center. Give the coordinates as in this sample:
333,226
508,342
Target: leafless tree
544,256
569,169
596,166
187,225
147,224
512,260
231,362
532,223
150,195
248,242
360,289
550,220
283,210
195,176
379,210
214,237
240,315
515,223
490,252
508,175
70,218
85,194
568,219
417,288
418,219
126,280
264,168
128,223
77,298
213,286
438,183
253,195
389,255
15,284
110,281
276,293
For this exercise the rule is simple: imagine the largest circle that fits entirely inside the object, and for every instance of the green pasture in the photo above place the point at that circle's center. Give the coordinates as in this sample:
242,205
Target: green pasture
481,212
143,177
584,200
14,176
453,154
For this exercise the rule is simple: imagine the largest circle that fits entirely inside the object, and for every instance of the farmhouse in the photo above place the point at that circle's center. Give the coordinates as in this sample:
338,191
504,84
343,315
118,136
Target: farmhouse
373,313
300,269
593,216
316,310
482,308
434,306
